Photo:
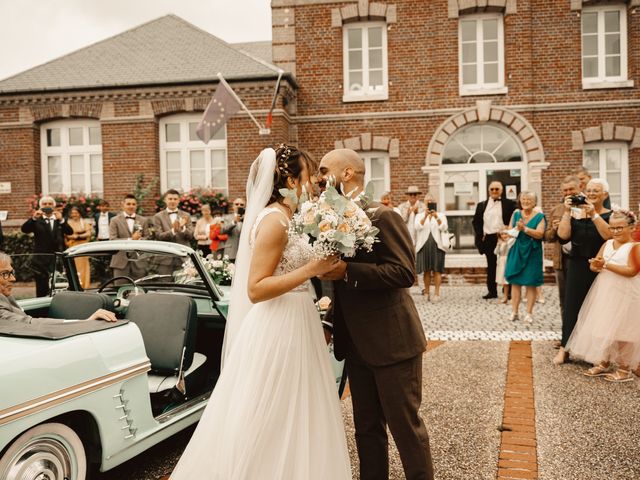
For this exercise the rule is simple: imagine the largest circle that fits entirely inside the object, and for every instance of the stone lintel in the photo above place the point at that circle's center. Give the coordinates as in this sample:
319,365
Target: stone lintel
365,141
577,142
353,143
380,143
394,148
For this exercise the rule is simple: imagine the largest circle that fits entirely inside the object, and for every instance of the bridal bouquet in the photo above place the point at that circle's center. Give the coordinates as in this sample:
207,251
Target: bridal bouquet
219,269
336,223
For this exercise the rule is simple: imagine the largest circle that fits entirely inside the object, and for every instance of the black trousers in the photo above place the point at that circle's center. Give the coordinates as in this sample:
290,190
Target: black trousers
579,279
489,243
389,395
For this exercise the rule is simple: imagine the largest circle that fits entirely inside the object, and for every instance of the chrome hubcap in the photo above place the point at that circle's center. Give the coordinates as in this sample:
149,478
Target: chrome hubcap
41,459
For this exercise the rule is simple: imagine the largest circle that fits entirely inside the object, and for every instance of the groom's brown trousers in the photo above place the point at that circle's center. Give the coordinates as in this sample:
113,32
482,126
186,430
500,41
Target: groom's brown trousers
389,395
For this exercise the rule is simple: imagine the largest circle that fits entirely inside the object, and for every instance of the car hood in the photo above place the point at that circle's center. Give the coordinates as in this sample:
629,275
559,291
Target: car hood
32,368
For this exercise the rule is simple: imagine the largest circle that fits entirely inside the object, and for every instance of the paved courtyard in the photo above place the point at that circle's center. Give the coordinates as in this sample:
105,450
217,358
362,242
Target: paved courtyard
494,404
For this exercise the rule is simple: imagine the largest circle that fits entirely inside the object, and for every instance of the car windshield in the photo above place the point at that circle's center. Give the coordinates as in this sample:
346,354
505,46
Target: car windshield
111,270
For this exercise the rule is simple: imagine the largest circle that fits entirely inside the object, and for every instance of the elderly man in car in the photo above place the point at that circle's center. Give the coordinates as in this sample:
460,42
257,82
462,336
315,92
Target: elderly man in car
11,311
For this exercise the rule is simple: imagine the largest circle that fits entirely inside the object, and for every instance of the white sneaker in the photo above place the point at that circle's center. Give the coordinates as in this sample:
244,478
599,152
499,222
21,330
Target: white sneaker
513,317
435,299
528,318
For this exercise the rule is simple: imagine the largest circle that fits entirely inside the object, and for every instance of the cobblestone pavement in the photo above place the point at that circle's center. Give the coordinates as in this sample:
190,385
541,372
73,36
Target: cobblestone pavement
586,429
462,314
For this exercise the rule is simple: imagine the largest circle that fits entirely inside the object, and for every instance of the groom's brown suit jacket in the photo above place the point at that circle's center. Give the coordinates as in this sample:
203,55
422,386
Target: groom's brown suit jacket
372,309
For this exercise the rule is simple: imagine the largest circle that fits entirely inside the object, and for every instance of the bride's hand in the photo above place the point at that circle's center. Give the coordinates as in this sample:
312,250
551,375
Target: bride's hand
338,271
320,268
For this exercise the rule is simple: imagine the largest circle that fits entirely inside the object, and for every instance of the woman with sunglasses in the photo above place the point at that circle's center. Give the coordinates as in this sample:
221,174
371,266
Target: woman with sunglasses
607,330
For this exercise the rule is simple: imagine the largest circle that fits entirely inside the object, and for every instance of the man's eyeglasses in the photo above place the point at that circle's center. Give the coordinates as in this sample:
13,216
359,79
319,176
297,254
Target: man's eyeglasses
494,189
617,229
7,274
238,204
413,194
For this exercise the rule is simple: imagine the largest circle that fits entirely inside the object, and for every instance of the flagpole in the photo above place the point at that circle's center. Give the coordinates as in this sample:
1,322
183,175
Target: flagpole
263,131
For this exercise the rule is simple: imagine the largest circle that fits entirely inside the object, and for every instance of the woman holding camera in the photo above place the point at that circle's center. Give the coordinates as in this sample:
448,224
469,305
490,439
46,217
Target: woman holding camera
585,223
431,243
524,261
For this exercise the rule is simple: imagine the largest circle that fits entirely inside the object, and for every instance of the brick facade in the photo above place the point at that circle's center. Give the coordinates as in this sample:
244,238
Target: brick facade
546,105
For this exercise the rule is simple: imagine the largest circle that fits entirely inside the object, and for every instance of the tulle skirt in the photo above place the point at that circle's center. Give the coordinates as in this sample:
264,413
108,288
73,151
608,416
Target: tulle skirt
608,327
274,413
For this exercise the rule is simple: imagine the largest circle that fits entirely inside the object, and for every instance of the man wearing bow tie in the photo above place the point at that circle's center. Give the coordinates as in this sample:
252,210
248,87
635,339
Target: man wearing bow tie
172,225
490,218
48,228
127,225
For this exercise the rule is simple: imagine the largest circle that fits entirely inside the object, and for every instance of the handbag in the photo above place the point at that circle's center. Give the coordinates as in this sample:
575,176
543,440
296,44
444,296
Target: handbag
445,237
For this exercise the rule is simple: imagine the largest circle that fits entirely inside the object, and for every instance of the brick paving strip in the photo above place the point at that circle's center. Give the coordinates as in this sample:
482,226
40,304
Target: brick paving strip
518,457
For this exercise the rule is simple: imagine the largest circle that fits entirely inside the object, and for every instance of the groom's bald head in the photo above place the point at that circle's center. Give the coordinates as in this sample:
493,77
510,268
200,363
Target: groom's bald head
345,165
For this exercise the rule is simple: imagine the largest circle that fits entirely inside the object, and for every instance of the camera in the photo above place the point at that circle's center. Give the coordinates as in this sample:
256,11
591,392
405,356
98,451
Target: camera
432,206
578,199
241,211
47,210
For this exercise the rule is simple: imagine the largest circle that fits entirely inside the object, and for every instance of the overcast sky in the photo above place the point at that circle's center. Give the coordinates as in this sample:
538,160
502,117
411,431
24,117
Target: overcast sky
33,32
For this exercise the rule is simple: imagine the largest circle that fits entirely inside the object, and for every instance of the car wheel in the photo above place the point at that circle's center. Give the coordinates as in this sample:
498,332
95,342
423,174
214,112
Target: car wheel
51,451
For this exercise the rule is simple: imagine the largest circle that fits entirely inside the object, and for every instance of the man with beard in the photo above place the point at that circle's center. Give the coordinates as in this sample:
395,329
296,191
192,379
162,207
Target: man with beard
377,330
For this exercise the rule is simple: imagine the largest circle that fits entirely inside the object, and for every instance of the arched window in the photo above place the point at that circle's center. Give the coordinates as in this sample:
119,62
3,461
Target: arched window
185,161
473,157
71,152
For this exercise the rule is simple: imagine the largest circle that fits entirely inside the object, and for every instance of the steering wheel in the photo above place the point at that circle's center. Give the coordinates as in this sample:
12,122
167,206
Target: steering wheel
111,280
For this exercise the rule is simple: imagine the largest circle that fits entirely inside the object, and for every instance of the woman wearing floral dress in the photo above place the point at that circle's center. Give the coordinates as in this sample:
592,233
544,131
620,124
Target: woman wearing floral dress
81,234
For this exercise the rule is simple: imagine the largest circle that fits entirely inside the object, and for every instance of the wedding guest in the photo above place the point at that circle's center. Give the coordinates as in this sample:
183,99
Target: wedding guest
201,231
431,244
127,225
586,227
524,261
10,311
81,234
584,175
232,227
172,225
101,221
387,200
607,329
505,242
409,209
218,239
489,219
48,228
570,186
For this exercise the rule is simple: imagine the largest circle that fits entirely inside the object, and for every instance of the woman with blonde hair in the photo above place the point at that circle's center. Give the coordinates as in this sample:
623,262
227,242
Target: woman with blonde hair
607,330
524,261
81,234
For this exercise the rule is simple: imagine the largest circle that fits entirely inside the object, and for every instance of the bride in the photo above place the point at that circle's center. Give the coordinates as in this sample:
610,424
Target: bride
274,413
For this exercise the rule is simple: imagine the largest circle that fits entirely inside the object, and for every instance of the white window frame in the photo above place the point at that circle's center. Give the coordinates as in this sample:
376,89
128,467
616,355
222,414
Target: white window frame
366,157
65,151
185,146
602,169
364,96
481,88
602,81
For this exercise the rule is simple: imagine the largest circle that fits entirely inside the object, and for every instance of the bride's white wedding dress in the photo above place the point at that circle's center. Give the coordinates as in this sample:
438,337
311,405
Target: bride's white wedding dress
274,413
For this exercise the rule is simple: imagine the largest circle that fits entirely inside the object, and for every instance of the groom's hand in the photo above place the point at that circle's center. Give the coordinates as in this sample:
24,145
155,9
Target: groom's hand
337,273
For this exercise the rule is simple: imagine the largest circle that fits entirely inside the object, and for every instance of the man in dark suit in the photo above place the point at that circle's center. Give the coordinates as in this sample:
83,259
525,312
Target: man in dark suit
102,220
10,311
127,225
48,228
172,225
491,216
377,330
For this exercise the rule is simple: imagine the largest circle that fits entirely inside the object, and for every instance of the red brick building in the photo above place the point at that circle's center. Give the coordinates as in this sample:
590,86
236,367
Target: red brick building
443,94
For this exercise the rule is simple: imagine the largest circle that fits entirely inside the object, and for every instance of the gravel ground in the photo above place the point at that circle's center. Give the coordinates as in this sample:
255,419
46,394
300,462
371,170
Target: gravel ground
463,396
588,429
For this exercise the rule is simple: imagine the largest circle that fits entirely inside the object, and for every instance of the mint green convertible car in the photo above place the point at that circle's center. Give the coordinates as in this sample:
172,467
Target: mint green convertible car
84,396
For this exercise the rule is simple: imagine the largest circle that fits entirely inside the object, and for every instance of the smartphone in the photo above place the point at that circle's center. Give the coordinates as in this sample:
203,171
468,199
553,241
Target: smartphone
241,211
432,206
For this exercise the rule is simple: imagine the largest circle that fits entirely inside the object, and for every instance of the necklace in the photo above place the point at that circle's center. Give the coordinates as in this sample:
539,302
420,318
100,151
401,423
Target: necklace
288,208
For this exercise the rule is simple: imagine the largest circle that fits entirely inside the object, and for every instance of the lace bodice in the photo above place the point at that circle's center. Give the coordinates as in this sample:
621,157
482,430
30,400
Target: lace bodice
297,252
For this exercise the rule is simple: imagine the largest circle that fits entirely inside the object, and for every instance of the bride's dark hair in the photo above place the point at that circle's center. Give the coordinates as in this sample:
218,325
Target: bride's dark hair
290,161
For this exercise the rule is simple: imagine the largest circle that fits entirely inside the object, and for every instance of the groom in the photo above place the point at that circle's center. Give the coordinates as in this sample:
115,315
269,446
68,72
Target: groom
378,331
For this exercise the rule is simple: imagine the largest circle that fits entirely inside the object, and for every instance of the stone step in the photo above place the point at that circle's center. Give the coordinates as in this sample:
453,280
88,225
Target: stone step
478,276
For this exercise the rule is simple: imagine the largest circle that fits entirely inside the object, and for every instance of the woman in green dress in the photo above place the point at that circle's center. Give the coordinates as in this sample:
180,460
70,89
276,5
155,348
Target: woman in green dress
524,263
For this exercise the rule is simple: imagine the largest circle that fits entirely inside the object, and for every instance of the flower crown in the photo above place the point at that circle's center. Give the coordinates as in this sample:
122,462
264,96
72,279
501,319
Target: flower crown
631,216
